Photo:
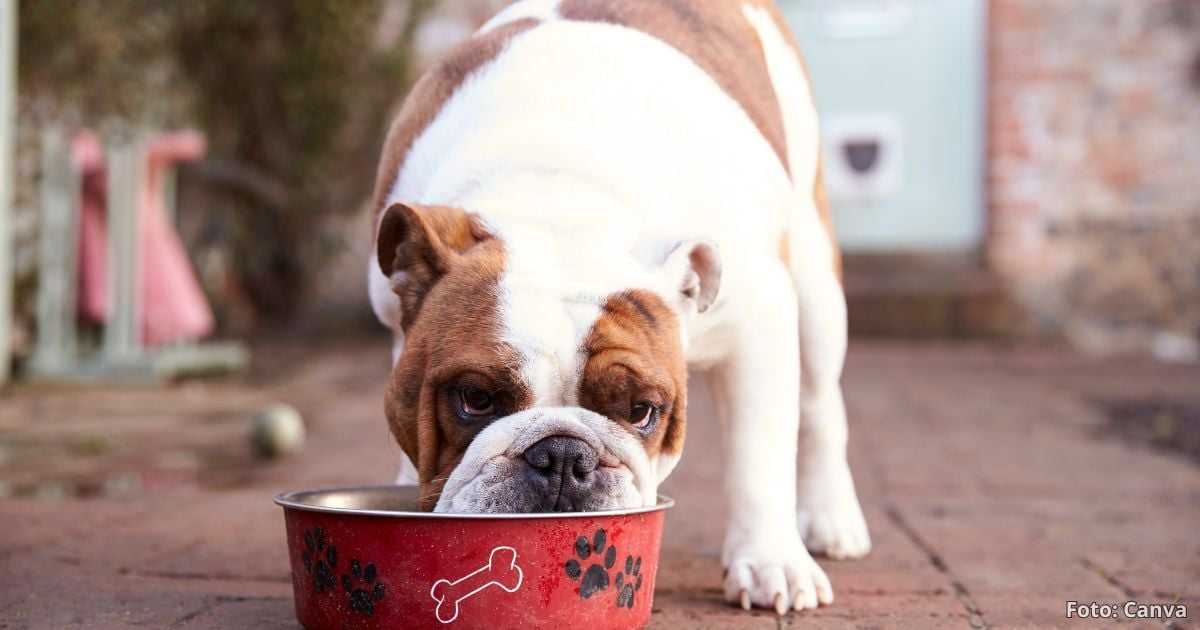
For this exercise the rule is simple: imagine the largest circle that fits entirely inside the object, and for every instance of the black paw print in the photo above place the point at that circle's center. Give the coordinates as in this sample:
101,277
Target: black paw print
627,587
320,558
357,584
595,579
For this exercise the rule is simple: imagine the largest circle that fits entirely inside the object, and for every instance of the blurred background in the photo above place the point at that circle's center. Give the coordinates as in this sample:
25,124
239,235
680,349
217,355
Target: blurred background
1012,169
185,330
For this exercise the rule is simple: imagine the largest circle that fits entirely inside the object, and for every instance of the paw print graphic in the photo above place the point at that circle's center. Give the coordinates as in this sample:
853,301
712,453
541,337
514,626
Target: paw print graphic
320,558
629,582
361,589
595,578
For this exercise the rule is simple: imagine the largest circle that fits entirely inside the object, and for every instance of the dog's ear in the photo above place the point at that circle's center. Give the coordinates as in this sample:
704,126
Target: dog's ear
417,245
692,270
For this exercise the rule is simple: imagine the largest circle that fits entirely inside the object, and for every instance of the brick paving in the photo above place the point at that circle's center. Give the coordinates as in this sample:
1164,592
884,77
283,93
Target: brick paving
995,484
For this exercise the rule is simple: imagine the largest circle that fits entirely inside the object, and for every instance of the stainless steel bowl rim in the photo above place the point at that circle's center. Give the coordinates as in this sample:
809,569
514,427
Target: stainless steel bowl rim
292,500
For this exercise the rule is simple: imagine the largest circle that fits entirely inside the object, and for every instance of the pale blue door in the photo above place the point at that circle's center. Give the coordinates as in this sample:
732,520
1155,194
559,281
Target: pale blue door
900,88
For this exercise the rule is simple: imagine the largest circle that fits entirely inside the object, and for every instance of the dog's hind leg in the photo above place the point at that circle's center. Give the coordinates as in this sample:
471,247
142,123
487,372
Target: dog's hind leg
830,518
828,512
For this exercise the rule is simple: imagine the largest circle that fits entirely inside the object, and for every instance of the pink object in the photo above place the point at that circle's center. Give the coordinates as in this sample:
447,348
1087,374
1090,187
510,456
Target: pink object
173,306
88,156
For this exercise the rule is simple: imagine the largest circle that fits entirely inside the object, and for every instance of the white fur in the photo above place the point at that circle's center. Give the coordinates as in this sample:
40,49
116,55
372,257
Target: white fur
830,518
486,469
385,303
593,150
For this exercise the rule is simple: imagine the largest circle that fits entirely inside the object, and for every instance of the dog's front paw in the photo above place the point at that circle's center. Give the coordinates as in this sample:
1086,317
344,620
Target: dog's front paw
830,519
780,576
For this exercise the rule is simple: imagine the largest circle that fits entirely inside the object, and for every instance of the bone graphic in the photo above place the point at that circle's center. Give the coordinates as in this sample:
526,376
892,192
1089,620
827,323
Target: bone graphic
501,571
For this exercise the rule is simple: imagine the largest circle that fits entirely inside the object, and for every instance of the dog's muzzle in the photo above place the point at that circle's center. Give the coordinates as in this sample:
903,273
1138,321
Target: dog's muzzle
560,459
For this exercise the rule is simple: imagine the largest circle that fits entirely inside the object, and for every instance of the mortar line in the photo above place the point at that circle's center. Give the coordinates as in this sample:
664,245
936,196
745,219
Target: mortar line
199,575
233,599
209,604
1107,577
214,601
974,613
1128,591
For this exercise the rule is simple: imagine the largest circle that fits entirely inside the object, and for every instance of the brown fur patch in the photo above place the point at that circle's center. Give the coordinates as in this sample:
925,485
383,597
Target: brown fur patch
422,242
634,355
453,342
785,254
431,92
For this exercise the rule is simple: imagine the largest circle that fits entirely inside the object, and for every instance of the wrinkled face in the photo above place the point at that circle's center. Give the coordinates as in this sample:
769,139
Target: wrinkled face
512,398
516,396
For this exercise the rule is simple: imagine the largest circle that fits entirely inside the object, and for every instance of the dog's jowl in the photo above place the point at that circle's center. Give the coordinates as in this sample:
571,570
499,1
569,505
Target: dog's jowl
574,207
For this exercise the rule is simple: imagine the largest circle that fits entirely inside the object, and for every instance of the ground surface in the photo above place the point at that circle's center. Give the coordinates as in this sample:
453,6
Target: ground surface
998,484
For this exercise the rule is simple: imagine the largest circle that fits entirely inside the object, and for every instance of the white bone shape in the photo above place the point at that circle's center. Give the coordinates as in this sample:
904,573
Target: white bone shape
500,571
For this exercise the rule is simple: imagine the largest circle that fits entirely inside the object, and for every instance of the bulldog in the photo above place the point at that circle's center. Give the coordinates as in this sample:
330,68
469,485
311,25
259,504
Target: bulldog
576,206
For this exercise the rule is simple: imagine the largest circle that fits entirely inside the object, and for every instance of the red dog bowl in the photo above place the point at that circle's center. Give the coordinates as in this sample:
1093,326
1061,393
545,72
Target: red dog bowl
366,558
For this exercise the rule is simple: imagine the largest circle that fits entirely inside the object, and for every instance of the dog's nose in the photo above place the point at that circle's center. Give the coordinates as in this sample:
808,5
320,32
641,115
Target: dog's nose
562,470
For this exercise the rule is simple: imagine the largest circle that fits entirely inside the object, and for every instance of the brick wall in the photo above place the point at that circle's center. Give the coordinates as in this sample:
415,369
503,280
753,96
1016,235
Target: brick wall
1094,169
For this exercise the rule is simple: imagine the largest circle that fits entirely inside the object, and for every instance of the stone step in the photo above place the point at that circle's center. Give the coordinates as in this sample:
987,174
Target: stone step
925,296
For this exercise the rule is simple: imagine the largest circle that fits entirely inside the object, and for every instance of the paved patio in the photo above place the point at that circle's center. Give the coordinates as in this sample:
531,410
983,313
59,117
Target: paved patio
998,483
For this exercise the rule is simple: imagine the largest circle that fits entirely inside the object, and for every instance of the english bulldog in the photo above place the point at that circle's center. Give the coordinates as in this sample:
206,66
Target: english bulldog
576,206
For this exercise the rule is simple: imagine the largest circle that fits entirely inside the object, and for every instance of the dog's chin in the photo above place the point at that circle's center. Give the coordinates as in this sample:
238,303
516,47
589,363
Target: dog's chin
500,488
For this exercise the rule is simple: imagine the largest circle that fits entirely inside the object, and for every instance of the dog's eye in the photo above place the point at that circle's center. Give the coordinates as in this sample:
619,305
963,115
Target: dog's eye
643,415
476,403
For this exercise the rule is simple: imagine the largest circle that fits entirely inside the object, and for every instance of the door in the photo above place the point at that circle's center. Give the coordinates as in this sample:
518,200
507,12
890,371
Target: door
899,85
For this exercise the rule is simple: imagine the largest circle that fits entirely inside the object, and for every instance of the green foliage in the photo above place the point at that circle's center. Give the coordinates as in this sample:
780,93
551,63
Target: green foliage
294,97
298,94
90,61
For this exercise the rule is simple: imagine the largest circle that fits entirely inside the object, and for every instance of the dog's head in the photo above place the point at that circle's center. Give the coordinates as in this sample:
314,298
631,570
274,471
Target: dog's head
522,390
